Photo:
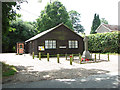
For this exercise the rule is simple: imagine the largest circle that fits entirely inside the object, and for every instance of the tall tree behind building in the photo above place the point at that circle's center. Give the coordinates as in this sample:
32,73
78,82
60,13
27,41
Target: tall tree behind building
104,21
53,14
95,24
75,18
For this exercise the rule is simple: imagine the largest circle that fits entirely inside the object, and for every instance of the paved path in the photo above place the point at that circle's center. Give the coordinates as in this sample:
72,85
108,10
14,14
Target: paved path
94,81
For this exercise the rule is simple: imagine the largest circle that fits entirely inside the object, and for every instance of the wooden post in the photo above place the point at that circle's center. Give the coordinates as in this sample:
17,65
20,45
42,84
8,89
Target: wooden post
58,58
47,56
108,57
99,56
80,57
33,55
39,55
91,55
95,57
71,59
66,56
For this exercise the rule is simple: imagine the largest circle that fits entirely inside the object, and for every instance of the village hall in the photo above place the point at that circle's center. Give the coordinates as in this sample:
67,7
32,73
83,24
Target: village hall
57,40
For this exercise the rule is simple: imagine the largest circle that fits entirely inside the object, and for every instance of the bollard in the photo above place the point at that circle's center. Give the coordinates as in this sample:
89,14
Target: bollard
108,57
39,56
91,55
71,59
66,56
95,57
47,56
80,57
99,56
33,55
58,58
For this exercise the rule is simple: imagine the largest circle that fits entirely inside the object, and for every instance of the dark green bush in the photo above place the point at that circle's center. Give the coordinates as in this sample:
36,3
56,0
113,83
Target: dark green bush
104,42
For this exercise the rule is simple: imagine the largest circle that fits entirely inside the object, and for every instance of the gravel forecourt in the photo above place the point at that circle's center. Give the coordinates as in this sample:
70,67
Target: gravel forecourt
30,70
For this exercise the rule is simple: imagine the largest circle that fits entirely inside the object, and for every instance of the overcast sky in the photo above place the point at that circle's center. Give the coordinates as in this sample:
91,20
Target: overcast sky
107,9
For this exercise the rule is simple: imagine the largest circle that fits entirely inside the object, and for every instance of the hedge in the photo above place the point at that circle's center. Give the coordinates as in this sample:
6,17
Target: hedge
104,42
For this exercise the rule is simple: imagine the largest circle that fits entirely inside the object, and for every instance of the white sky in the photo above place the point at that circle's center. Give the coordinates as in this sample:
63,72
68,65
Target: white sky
107,9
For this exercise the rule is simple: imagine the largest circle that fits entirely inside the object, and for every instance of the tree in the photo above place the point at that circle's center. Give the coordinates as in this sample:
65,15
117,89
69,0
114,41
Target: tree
75,18
103,21
95,24
8,14
22,30
53,14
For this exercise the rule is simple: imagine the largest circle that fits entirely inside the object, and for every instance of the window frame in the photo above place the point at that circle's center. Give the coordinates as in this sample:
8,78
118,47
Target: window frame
51,44
73,44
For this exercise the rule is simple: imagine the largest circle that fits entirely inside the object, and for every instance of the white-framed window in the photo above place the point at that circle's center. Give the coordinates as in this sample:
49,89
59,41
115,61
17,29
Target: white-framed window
50,44
73,43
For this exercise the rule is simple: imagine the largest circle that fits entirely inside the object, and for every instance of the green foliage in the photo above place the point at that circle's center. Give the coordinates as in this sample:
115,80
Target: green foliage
75,18
95,24
19,31
8,70
103,21
8,14
53,14
104,42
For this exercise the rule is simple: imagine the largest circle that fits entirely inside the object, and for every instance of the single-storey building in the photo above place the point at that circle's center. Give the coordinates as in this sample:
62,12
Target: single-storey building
57,40
103,28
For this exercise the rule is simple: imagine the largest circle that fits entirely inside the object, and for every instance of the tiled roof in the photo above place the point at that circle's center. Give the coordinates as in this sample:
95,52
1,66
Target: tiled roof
112,27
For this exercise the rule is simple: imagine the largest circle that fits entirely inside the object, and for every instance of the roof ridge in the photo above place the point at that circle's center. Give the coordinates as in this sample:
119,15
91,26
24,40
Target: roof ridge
44,32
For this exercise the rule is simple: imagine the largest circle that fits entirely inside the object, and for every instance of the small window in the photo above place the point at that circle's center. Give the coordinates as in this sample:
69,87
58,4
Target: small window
50,44
73,44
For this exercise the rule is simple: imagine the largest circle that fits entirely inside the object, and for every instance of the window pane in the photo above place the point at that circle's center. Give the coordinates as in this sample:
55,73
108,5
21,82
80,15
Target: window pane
72,43
69,42
76,46
50,42
72,46
76,42
50,46
54,46
46,46
54,42
46,41
69,46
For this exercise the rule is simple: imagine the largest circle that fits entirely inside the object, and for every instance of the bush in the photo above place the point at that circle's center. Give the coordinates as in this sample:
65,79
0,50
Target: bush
104,42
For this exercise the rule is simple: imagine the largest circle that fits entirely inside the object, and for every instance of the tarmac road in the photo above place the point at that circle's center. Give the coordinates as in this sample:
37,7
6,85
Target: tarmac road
94,81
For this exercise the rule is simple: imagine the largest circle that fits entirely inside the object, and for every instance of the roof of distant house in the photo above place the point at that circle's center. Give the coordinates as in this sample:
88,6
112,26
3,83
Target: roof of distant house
110,27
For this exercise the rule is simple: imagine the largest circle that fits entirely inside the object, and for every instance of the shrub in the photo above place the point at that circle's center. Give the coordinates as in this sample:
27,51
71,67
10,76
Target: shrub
104,42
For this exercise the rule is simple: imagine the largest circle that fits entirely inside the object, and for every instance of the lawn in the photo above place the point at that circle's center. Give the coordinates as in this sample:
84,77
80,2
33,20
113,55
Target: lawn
8,70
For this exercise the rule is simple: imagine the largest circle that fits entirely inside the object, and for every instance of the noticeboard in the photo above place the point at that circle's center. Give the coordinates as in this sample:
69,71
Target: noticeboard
41,48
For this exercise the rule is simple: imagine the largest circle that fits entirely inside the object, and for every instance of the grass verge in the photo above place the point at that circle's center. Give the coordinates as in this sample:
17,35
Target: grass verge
8,70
